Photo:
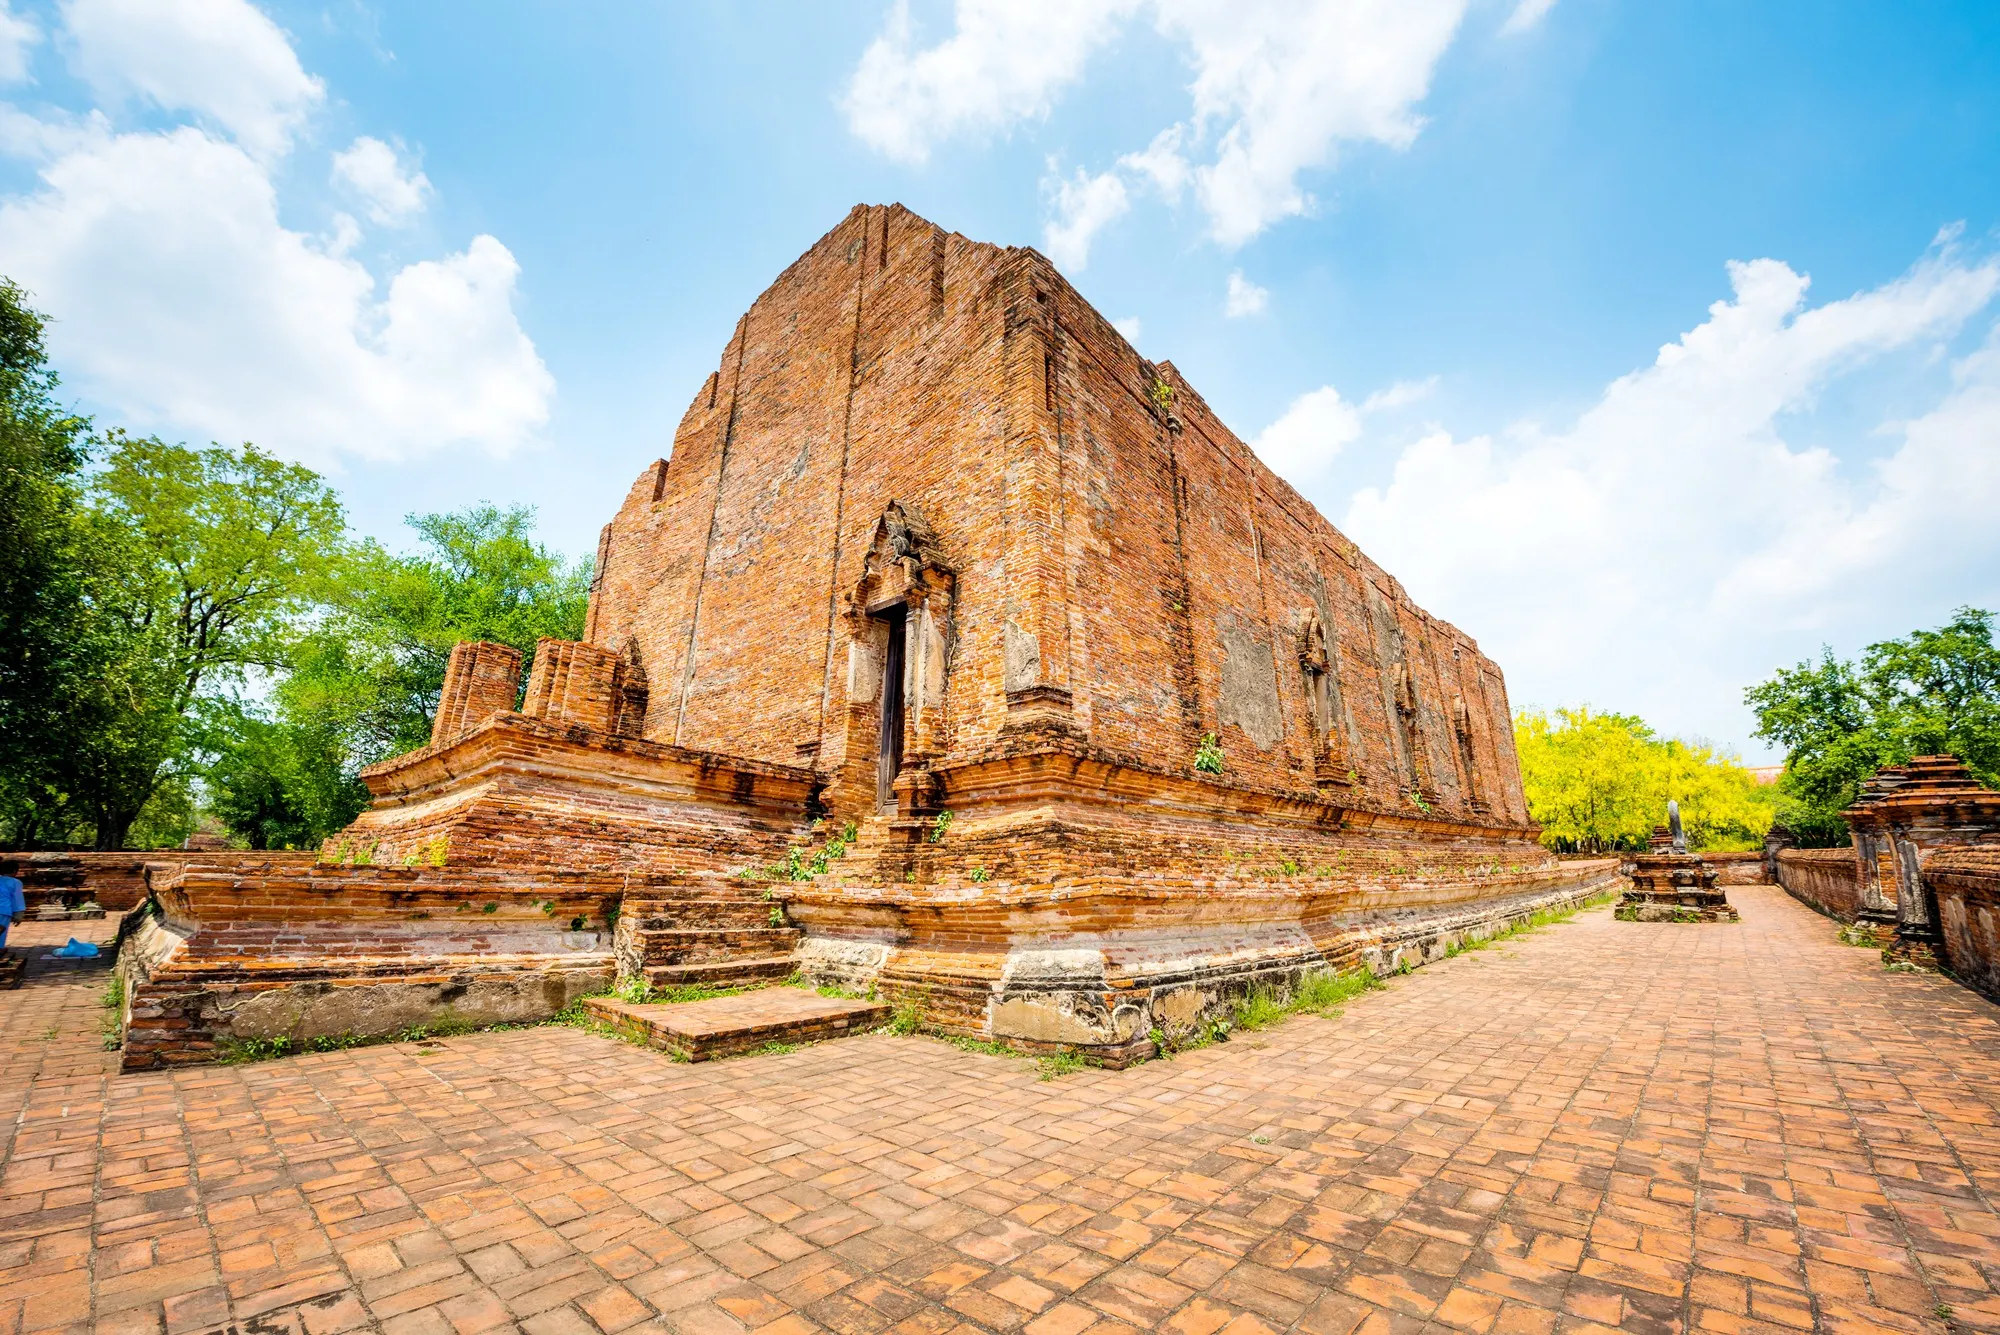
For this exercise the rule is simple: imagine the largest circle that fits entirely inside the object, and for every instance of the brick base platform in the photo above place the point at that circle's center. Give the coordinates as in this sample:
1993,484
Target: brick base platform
1674,887
725,1026
1525,1140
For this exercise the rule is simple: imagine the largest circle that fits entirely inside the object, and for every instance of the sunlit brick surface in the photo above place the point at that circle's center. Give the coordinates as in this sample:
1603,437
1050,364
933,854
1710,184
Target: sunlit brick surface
1655,1127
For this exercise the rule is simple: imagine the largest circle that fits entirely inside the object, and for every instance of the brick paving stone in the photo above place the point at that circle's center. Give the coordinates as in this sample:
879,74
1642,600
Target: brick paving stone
1601,1126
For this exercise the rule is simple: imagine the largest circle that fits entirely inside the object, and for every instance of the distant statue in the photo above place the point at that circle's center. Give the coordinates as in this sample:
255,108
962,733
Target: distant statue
1674,826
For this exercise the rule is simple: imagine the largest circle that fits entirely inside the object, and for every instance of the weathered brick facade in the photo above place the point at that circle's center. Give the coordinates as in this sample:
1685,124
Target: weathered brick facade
1087,717
1099,556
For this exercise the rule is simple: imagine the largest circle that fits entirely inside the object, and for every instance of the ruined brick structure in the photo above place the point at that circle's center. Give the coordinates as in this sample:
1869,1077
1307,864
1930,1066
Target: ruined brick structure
1673,886
1922,875
945,585
1905,814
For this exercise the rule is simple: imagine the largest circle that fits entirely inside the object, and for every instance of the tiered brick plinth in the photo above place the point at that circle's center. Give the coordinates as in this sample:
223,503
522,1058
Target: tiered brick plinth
1674,887
1029,692
725,1026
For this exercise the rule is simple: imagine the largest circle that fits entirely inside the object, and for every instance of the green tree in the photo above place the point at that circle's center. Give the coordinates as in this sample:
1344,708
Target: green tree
1932,692
277,783
50,648
213,557
373,669
1597,782
362,684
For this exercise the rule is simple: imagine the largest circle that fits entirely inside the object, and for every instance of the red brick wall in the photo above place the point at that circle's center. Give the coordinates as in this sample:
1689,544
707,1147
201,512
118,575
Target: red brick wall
1966,882
1738,868
117,881
1160,573
1826,878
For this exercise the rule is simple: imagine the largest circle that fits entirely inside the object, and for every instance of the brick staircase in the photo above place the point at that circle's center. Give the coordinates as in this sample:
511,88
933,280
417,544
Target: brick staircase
881,848
718,933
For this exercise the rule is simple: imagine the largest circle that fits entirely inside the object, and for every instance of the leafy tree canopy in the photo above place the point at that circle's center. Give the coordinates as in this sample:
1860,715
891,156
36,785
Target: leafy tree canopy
191,629
45,579
1932,692
1597,782
373,669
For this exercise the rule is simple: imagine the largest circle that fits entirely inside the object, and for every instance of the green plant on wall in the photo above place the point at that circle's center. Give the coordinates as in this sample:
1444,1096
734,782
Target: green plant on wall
1161,394
1208,756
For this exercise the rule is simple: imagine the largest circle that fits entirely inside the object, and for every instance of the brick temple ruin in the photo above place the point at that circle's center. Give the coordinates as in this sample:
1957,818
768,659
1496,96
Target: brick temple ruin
1921,874
896,675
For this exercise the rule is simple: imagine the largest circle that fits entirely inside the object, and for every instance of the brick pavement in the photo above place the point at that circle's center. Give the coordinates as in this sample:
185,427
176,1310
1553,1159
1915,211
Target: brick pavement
1644,1126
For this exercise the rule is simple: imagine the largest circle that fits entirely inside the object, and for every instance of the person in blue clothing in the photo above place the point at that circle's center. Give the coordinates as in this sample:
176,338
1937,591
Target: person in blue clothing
13,903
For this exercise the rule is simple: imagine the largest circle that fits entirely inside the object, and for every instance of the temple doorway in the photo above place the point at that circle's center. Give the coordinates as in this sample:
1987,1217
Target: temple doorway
891,749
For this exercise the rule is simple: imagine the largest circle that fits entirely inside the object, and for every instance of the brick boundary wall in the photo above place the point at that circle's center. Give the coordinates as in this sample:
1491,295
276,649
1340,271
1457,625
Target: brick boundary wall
1826,879
117,881
1966,882
236,950
1738,868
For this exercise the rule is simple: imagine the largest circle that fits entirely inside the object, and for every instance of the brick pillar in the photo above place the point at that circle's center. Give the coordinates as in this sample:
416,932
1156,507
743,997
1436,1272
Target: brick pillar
573,682
1036,633
482,679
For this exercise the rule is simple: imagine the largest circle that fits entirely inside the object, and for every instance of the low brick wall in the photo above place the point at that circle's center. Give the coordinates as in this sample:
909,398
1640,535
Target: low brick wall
1827,879
1738,868
239,950
1967,884
117,881
1097,962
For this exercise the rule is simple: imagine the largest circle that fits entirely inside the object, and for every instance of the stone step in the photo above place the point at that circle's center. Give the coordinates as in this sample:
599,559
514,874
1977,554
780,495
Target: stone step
723,973
725,1026
684,945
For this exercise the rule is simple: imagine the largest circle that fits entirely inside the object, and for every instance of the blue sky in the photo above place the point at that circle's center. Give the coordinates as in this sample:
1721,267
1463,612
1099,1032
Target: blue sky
1517,293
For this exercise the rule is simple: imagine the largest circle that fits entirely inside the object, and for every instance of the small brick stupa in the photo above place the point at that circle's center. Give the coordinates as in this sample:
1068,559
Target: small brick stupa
1904,815
957,652
1670,884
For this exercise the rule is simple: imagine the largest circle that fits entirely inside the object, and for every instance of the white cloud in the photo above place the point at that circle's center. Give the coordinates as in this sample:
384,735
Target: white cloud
1083,205
1527,14
1399,395
1244,297
1301,445
390,194
1651,557
1004,63
17,35
185,305
223,60
1279,86
1129,326
1162,162
1289,82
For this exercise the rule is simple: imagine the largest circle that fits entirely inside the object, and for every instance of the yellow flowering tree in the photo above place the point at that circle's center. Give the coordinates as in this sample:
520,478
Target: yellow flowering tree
1598,782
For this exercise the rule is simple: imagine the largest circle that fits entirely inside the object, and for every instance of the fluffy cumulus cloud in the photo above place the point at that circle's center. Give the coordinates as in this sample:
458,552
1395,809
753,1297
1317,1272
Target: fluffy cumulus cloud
1005,61
1526,15
185,305
1080,207
1651,555
1301,445
390,193
1244,297
1279,87
223,60
17,36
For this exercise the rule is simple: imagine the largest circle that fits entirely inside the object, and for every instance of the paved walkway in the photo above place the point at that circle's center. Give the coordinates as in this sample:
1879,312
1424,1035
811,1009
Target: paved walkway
1647,1126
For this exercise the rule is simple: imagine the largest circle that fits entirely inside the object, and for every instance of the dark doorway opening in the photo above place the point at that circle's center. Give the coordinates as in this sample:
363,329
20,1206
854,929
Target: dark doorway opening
891,749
